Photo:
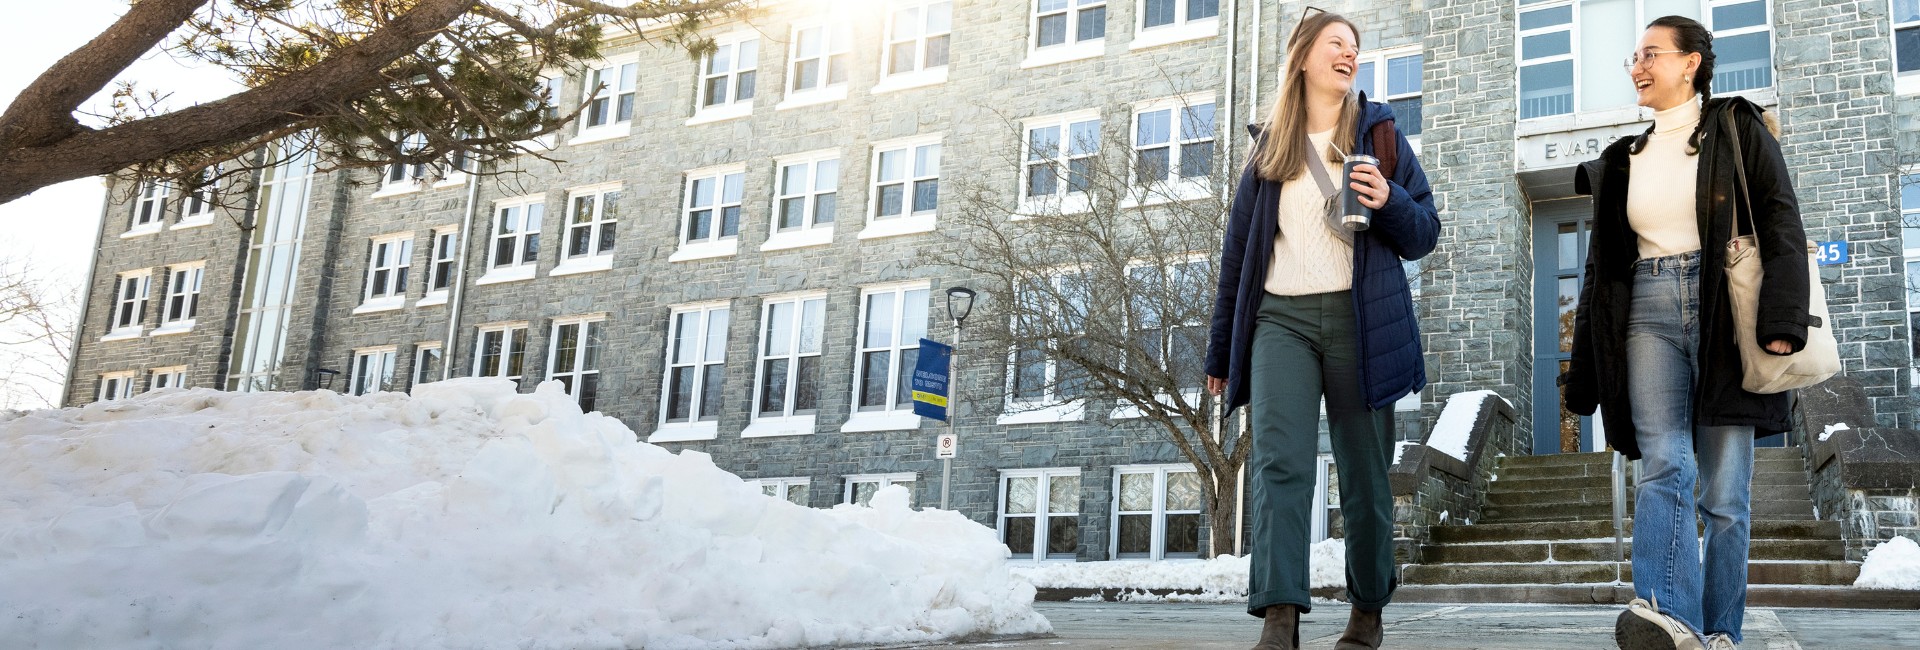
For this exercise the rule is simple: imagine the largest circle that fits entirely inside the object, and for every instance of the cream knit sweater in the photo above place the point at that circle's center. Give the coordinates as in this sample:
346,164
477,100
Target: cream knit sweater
1307,257
1660,191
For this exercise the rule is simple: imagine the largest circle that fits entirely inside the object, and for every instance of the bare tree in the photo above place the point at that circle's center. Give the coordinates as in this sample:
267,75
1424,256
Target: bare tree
36,337
1106,252
376,82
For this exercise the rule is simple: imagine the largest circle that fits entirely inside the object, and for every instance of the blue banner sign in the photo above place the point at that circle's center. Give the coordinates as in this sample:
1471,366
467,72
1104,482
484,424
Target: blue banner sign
1831,252
930,376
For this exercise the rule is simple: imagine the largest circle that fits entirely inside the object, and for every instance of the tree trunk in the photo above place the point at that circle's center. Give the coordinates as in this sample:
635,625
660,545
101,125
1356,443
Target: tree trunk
1223,514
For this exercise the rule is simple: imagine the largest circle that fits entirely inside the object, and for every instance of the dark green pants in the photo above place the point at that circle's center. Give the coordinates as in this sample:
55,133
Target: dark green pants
1305,347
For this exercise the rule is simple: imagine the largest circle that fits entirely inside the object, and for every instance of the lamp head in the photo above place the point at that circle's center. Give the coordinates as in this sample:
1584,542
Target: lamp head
959,303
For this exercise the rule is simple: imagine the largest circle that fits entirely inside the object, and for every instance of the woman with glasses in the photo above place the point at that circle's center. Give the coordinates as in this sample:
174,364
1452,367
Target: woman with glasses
1654,346
1310,309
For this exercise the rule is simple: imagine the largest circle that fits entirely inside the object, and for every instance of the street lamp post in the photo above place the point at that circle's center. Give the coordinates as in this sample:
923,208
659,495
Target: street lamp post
959,305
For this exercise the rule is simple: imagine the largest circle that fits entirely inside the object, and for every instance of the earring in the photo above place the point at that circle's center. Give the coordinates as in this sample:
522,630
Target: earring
1688,78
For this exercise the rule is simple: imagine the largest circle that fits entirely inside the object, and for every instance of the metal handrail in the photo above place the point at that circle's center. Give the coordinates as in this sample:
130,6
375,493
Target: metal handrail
1619,507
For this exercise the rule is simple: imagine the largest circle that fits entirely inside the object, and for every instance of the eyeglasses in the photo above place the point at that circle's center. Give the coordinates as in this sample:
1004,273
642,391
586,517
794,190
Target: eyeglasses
1637,58
1305,13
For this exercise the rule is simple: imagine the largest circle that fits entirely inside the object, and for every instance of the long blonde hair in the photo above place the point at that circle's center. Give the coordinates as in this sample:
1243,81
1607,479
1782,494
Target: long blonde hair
1284,154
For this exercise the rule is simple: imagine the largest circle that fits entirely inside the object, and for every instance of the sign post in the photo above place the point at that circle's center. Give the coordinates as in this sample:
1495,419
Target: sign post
932,385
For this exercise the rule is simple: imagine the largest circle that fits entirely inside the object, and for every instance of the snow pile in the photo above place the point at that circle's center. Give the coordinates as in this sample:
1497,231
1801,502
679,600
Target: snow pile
1454,428
1832,429
1894,564
1224,576
467,516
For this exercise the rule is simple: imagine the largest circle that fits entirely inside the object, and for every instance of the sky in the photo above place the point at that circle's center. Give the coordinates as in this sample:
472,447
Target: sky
52,230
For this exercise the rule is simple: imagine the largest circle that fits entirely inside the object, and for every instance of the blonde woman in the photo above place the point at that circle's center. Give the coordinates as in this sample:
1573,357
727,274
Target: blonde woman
1309,309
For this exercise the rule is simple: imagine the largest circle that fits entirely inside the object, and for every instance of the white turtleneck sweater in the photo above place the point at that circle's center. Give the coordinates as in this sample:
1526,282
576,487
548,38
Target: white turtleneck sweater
1660,189
1307,257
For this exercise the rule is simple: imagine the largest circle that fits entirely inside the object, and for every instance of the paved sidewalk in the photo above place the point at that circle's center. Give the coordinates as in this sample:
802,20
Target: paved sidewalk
1186,626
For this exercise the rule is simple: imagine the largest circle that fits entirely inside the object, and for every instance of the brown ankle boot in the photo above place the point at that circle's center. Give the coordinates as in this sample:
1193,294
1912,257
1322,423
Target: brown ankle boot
1363,631
1282,629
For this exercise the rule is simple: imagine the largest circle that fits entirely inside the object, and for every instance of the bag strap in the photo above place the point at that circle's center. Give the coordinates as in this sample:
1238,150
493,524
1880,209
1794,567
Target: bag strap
1318,168
1740,173
1386,147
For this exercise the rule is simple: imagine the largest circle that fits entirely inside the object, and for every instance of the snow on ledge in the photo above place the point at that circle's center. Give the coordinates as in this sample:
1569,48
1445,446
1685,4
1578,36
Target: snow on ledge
1455,427
464,516
1894,564
1225,575
1833,429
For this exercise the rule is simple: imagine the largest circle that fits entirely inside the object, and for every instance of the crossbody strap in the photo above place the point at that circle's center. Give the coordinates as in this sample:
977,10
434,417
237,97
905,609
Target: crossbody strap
1740,173
1318,169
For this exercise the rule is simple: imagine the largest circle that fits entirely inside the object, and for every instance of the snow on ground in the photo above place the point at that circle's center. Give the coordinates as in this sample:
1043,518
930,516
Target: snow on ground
1894,564
1220,579
1454,429
466,516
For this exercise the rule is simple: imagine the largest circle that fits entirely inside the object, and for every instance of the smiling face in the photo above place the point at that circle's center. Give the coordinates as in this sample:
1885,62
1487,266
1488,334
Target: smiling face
1662,78
1331,60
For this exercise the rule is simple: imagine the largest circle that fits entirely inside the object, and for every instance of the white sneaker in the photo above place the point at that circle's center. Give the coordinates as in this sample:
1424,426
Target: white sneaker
1643,627
1721,642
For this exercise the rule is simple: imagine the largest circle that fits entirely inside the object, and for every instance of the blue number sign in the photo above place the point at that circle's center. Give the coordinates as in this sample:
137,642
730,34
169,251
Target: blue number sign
1831,252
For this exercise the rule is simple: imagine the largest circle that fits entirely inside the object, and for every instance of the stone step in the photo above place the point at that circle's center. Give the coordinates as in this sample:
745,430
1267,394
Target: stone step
1811,550
1500,496
1512,485
1779,478
1781,465
1776,509
1538,472
1603,458
1596,529
1770,596
1564,573
1778,453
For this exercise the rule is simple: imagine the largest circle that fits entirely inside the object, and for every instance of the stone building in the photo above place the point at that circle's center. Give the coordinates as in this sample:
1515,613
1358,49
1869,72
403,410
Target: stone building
724,236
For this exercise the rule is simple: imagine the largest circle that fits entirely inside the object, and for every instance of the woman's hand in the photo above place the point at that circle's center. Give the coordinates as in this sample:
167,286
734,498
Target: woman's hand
1371,186
1216,385
1778,346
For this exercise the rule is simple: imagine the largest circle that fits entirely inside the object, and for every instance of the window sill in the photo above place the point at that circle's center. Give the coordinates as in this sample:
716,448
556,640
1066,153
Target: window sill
685,432
588,264
897,226
398,189
433,299
1170,34
1907,84
1166,192
141,231
602,134
816,236
508,274
380,304
691,252
1031,414
799,425
181,327
806,98
452,180
122,335
881,421
194,222
1048,206
1058,54
1131,412
721,113
910,80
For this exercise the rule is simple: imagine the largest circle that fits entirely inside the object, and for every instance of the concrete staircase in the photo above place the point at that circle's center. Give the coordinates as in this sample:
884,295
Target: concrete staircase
1546,535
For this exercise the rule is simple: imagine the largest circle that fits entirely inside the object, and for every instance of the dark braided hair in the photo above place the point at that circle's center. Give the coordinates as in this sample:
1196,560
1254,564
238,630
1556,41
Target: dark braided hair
1691,37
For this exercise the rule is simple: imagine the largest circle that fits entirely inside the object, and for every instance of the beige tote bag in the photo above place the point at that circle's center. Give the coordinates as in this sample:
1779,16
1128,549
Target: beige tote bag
1765,372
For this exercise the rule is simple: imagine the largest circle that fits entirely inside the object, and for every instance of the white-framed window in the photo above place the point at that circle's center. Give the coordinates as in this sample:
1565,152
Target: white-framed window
1393,76
182,304
1173,149
552,89
608,90
429,361
787,372
149,207
1326,499
695,386
1906,45
573,357
373,370
115,385
727,77
169,377
1910,243
389,257
592,214
893,319
515,244
1057,164
1170,318
905,189
710,216
1057,308
1040,513
919,33
1171,21
794,490
442,262
1064,30
197,206
1742,44
130,302
805,200
1156,512
405,176
818,61
860,487
1547,71
501,350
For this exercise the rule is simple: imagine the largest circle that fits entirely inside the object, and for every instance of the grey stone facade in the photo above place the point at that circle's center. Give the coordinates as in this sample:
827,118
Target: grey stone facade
1834,81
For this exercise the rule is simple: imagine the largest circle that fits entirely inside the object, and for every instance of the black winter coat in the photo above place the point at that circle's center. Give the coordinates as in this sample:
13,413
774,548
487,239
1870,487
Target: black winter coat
1597,375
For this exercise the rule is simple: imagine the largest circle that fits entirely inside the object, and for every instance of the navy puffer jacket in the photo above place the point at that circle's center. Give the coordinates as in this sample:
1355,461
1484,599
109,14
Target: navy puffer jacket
1406,228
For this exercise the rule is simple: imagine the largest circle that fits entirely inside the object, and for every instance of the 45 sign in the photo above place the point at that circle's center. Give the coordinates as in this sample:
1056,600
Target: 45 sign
1831,252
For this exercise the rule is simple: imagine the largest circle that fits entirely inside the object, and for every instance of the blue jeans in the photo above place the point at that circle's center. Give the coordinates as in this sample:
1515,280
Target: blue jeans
1663,366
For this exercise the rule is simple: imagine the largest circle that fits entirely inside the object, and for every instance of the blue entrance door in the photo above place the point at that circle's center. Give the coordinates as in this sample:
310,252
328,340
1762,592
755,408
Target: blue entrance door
1560,236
